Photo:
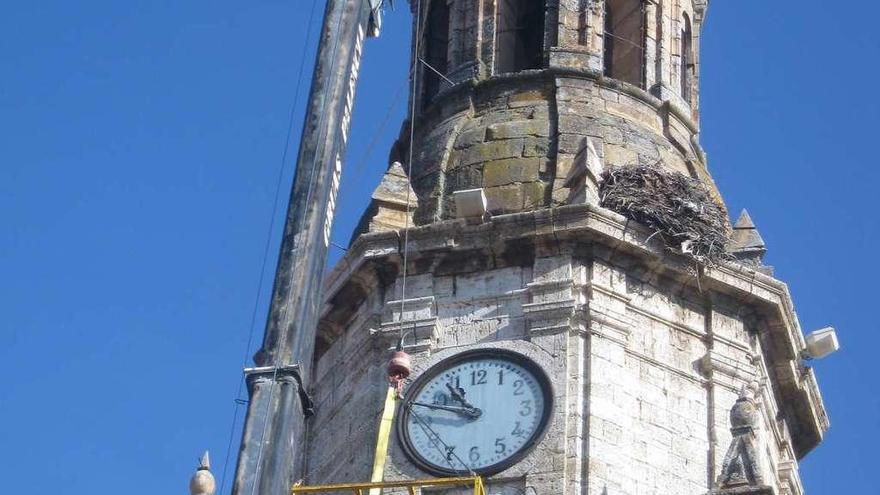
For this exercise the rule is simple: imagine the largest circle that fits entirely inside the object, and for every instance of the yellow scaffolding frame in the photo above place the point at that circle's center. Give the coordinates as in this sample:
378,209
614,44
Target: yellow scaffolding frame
361,488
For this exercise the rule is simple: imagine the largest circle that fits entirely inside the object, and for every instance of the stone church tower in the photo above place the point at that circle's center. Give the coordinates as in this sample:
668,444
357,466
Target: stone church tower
661,372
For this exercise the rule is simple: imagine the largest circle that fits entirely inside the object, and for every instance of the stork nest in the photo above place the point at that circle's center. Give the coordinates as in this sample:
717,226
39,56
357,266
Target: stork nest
679,209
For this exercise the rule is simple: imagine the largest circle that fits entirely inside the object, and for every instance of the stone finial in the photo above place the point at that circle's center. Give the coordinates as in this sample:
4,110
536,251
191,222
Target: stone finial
202,482
747,245
583,178
741,472
746,235
391,201
395,187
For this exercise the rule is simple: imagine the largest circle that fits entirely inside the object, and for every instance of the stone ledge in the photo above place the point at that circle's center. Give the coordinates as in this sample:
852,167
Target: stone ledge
745,490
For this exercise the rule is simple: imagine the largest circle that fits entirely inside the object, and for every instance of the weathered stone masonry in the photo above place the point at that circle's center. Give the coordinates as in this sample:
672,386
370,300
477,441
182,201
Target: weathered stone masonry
519,134
648,351
647,358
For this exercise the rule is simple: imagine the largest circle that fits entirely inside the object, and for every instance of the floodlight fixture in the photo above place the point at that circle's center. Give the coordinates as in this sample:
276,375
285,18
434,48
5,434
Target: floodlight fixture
470,204
821,343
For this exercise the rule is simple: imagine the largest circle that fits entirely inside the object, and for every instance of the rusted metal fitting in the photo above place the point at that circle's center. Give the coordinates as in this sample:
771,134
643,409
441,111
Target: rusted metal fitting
400,366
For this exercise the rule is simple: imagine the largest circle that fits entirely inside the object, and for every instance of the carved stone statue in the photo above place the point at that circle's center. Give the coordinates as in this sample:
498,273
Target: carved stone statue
741,472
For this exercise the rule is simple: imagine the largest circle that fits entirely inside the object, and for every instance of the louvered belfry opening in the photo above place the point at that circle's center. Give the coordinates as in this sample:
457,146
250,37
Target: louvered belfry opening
625,41
519,35
436,48
687,59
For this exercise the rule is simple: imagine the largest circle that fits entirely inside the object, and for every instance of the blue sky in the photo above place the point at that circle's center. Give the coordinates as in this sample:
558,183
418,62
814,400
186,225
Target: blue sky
140,146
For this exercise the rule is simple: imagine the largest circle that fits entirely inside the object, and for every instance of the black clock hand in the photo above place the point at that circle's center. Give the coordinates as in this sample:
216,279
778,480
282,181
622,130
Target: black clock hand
471,412
458,396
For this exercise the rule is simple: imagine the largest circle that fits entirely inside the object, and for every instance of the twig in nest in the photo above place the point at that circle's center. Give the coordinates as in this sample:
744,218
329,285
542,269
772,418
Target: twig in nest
678,207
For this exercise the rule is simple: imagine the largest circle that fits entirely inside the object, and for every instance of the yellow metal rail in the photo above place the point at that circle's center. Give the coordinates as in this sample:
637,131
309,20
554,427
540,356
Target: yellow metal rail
360,488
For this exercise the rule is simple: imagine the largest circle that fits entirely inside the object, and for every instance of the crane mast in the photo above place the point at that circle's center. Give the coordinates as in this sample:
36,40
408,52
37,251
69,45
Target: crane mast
270,454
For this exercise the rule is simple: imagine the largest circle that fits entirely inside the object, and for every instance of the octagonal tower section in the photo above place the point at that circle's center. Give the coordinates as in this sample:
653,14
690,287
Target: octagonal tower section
668,375
511,95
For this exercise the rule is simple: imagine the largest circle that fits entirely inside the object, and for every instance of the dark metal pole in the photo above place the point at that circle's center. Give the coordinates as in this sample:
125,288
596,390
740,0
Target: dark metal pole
270,456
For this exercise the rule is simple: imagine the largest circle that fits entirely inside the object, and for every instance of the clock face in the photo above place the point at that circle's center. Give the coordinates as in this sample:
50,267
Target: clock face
478,411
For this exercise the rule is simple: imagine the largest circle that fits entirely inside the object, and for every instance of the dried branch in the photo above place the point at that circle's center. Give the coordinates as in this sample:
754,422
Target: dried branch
680,208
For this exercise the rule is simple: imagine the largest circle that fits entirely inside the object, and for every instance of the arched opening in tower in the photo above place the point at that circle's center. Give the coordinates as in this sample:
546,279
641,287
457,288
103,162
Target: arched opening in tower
625,40
519,35
687,59
436,49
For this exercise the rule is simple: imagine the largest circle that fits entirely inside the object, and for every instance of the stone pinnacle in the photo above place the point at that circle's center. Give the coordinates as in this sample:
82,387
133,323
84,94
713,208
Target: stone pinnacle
746,235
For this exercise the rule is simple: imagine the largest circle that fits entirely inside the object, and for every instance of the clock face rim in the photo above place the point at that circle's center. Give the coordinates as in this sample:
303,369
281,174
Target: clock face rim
430,373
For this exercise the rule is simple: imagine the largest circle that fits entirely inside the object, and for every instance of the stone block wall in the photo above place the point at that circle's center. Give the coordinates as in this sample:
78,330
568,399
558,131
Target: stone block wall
519,138
645,370
649,403
500,140
349,387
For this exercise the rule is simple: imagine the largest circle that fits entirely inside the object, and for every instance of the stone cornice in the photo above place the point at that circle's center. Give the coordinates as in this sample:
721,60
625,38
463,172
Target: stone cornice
585,224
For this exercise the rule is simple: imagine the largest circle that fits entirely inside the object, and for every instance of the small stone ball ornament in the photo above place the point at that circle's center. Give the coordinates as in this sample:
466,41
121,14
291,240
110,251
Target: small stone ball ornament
202,482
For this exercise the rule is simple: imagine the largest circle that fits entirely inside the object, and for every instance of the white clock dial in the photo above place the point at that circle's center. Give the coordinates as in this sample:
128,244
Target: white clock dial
478,411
